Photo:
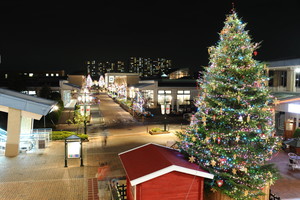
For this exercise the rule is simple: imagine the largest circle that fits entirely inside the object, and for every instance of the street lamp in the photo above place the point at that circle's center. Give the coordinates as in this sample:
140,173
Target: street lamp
85,100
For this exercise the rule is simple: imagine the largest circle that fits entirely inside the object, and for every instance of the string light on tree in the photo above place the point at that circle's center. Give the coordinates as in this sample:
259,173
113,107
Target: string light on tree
235,129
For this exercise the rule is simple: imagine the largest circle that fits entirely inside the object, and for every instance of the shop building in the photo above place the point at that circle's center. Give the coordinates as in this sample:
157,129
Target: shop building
285,86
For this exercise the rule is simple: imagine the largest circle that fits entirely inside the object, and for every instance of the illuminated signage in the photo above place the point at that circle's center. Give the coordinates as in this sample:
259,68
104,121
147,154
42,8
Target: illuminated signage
294,108
74,150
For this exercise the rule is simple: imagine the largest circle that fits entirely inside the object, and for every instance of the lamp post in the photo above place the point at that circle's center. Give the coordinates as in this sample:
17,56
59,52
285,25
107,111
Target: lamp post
84,100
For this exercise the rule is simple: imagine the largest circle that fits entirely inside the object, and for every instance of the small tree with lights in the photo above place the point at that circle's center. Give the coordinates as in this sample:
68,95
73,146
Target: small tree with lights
232,133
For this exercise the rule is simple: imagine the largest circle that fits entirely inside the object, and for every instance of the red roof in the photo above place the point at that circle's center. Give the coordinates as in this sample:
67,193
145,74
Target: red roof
151,160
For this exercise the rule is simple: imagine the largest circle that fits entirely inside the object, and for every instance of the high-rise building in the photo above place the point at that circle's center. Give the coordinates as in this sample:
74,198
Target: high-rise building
96,69
149,67
146,67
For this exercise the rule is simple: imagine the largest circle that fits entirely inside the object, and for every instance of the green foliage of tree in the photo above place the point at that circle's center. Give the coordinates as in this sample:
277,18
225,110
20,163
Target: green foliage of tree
232,134
78,119
297,133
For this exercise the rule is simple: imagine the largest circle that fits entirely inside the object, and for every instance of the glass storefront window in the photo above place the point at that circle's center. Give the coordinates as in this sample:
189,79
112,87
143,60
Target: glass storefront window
164,96
183,97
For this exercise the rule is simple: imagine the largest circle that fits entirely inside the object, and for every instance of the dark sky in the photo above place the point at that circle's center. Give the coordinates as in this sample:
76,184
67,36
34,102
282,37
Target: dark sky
62,35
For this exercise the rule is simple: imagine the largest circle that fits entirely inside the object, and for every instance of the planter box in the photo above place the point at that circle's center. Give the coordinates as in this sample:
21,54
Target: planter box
157,133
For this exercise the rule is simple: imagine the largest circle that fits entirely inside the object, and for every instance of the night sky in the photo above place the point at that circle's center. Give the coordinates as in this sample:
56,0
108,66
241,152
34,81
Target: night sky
53,35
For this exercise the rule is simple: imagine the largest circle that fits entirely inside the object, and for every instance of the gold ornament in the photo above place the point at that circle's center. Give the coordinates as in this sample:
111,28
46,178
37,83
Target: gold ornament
238,98
204,120
248,118
207,139
237,138
193,139
213,163
234,171
213,86
234,156
246,193
221,111
192,159
244,169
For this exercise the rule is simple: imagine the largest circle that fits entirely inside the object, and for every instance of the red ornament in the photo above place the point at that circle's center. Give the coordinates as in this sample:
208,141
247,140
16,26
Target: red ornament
220,182
223,161
219,140
255,53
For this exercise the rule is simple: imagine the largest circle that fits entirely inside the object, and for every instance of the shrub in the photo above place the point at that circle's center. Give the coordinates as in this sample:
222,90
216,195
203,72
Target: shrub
61,135
297,133
156,129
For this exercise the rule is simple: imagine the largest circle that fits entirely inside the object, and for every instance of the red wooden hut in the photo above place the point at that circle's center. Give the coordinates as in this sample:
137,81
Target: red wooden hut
159,172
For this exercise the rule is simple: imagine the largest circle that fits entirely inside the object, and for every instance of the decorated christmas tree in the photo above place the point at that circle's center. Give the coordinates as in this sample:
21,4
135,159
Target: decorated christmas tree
232,133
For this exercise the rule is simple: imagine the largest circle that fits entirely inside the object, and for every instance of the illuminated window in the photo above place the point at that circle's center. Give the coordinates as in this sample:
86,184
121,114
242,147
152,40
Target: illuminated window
6,76
47,74
57,74
31,92
30,75
52,74
164,96
183,97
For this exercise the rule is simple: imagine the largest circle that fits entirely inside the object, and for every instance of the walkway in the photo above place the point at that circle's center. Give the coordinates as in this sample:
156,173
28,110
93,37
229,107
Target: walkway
42,175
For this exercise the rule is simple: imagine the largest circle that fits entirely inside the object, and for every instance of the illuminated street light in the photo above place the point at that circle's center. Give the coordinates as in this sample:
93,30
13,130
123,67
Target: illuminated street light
85,100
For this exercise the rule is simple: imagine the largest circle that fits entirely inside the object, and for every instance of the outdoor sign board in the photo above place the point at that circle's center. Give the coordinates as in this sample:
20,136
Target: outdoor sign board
162,109
168,109
74,150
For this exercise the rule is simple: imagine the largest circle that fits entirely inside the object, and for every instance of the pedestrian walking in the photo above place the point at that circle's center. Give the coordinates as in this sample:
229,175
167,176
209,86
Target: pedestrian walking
105,137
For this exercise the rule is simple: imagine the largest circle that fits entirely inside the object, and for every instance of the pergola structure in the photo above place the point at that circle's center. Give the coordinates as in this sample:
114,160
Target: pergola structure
22,109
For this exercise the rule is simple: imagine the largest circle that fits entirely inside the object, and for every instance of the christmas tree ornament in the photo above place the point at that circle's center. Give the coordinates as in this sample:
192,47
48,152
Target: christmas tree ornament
244,169
255,53
220,182
194,139
238,98
213,163
192,159
219,140
237,138
207,139
223,161
214,117
240,118
234,156
248,118
234,171
246,193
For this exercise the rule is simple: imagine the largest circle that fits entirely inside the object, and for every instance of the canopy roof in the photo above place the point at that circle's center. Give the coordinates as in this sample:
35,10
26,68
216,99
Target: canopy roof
24,102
